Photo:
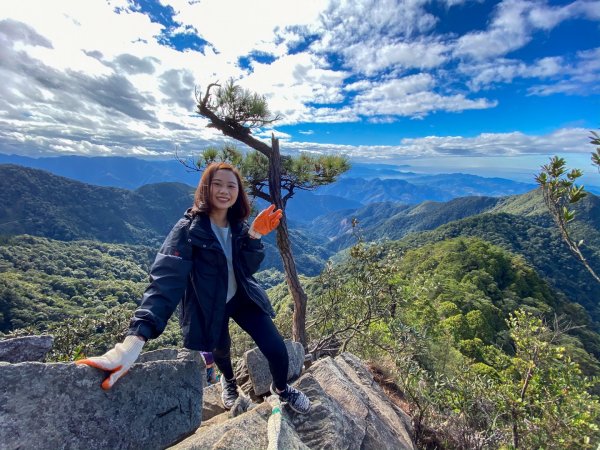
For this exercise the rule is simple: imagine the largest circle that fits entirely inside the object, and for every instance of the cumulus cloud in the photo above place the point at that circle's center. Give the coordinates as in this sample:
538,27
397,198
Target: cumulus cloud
412,96
71,86
178,86
570,74
294,83
581,77
567,140
133,65
421,54
13,31
513,25
245,26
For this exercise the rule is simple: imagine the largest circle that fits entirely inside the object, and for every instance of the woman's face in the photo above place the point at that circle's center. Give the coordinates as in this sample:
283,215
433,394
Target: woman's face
223,189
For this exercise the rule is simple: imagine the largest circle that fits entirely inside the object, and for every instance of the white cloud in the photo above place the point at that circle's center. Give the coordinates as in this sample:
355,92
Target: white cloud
566,140
513,24
294,81
578,74
267,134
348,22
239,27
371,58
580,78
412,96
508,31
373,35
503,70
498,144
93,77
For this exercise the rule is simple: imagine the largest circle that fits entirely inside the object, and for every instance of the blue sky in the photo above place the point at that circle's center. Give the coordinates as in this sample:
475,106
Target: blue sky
492,88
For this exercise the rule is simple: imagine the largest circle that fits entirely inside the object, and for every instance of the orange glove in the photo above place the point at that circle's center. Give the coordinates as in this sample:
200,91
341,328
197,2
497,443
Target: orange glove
265,222
116,361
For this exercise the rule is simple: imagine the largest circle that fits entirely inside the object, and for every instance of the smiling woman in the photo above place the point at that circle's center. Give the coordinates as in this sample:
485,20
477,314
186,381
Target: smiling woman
207,264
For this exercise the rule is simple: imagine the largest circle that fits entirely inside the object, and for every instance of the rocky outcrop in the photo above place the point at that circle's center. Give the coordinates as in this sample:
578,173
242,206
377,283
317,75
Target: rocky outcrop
62,406
349,410
160,404
25,348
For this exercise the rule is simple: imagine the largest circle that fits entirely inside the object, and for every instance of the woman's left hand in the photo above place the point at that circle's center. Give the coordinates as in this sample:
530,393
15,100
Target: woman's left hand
265,222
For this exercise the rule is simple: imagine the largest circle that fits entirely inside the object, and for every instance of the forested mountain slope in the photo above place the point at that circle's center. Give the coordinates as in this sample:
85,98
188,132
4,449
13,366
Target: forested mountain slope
393,220
43,281
541,247
38,203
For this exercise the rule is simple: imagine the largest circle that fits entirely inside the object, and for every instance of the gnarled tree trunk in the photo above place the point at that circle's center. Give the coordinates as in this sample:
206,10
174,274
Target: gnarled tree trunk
285,249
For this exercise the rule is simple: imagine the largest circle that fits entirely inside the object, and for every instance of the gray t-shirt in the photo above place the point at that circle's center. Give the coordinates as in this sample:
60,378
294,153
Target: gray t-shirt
224,237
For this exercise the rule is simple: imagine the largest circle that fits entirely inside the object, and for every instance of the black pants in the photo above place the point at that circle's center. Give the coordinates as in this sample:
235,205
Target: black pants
262,330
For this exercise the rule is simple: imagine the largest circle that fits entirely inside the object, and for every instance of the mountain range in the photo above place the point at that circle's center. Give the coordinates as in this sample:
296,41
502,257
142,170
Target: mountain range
363,182
42,204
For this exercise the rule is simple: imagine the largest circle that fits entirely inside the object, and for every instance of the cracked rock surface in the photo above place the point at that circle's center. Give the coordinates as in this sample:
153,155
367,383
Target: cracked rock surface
62,406
163,403
349,410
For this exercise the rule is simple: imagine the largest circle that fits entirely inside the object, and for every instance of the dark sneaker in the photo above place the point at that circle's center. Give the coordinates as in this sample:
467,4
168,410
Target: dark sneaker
230,392
295,399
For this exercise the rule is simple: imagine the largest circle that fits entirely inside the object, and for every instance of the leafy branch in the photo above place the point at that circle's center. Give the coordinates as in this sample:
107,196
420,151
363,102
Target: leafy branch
560,193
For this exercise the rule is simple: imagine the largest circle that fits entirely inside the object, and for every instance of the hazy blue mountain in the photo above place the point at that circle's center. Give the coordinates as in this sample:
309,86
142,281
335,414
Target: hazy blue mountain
378,190
440,187
462,185
375,170
123,172
363,183
305,206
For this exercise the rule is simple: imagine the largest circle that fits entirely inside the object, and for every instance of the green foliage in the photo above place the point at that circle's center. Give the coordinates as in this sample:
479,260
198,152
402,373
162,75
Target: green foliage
43,282
542,391
540,247
595,140
442,319
83,335
560,188
303,172
270,278
560,192
241,106
352,302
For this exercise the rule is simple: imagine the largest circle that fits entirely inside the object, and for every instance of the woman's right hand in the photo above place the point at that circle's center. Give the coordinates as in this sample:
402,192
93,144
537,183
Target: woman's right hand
117,361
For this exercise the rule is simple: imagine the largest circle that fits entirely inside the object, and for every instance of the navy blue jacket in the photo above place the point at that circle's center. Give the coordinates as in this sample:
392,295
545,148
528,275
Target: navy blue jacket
191,267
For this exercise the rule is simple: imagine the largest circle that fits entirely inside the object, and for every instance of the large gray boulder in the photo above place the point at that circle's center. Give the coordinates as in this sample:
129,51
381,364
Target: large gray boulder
258,366
62,406
372,420
25,348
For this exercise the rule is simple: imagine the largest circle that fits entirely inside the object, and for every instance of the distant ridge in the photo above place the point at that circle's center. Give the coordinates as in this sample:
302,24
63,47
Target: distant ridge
364,183
42,204
115,171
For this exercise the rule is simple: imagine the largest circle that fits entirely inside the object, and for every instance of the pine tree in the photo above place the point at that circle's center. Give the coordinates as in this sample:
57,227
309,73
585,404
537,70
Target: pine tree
270,176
